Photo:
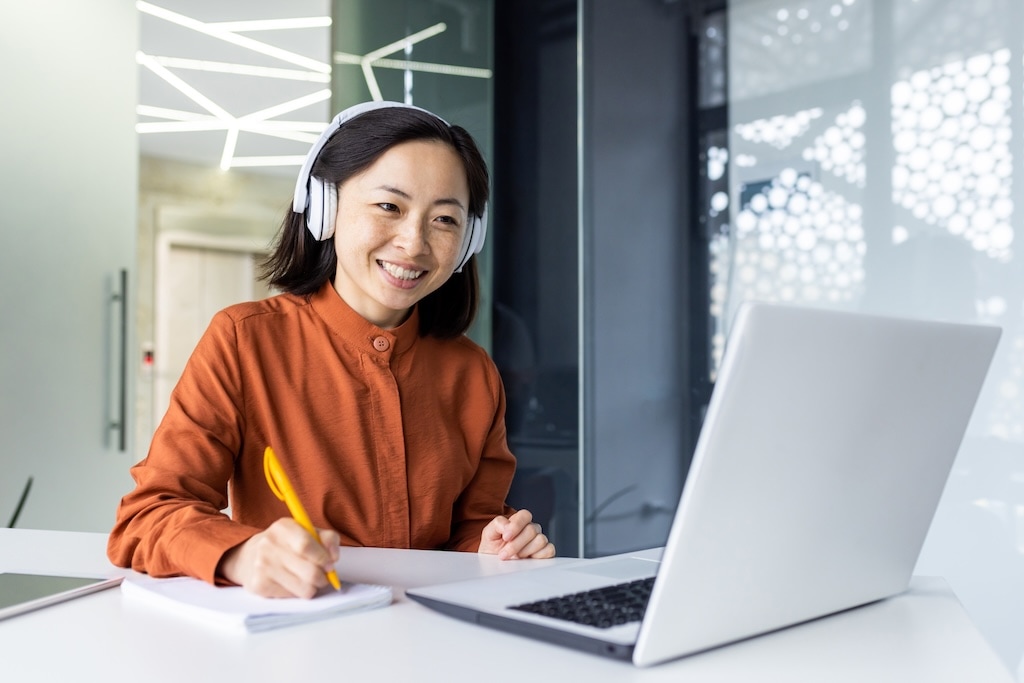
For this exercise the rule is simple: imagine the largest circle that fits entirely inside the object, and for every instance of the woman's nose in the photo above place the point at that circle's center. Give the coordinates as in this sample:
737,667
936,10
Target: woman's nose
411,235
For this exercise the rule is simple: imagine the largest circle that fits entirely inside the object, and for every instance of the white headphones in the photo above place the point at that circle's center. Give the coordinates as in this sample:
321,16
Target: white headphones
319,200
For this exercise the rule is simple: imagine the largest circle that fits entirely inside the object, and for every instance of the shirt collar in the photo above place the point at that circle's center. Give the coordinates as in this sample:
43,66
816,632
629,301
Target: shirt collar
349,325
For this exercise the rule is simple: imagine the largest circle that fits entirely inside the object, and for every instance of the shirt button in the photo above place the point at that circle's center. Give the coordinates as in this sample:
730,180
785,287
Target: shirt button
381,343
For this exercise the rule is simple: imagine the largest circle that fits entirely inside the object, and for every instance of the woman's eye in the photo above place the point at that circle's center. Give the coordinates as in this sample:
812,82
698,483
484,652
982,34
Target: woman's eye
387,206
448,219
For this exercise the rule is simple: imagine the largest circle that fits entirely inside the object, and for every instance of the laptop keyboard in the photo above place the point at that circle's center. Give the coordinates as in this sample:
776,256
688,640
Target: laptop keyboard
601,607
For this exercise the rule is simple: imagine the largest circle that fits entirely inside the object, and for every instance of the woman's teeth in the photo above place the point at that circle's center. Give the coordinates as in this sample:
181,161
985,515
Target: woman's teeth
399,272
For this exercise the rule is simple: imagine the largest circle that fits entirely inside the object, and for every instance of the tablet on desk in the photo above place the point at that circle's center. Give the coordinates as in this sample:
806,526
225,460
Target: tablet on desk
20,593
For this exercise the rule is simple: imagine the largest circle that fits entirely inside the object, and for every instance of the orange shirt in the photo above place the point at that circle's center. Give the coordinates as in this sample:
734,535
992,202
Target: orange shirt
392,439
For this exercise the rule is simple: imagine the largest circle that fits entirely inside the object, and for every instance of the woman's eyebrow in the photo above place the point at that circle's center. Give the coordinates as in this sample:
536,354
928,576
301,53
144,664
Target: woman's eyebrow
395,190
452,201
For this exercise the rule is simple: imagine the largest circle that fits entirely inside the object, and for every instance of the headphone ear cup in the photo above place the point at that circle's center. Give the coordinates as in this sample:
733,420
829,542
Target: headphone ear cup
475,235
314,208
330,210
321,208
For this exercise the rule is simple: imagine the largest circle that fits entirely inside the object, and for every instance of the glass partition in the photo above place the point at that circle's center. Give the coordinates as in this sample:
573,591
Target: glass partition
436,54
441,55
867,163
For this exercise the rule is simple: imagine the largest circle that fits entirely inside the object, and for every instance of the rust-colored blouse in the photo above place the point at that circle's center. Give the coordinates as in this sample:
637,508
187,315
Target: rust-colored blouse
392,439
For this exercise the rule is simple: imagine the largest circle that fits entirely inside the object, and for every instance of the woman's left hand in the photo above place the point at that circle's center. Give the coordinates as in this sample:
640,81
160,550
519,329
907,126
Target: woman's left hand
515,538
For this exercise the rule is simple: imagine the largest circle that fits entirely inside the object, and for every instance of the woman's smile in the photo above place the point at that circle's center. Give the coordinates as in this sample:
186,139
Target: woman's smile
399,276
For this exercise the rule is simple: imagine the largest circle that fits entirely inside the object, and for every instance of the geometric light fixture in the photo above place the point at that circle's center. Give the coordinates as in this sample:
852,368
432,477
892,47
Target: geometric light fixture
214,116
378,58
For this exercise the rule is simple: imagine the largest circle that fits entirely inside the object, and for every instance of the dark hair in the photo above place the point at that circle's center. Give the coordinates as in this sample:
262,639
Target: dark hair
301,265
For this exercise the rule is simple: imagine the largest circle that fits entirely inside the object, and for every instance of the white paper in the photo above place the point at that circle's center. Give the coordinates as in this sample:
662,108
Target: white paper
234,606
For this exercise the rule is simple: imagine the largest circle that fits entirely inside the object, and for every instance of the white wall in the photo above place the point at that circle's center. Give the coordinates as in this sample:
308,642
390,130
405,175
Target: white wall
68,184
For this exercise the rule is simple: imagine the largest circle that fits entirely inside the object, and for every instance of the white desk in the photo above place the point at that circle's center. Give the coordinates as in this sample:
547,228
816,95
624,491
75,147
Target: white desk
923,635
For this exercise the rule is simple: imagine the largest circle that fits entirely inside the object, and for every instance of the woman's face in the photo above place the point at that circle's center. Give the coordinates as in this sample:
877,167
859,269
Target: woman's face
399,229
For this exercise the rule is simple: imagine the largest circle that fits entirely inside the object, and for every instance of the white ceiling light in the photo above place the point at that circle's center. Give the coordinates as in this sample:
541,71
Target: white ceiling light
296,160
183,87
241,69
212,66
215,31
174,71
377,58
269,24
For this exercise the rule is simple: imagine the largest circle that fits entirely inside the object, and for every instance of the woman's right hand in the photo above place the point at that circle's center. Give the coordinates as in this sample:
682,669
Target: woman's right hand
283,561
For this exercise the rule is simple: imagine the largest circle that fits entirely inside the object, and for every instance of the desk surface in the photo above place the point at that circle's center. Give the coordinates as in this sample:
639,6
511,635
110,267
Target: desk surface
922,635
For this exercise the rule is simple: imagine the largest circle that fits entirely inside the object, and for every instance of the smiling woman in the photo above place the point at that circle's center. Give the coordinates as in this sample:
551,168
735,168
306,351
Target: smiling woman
388,420
365,147
401,224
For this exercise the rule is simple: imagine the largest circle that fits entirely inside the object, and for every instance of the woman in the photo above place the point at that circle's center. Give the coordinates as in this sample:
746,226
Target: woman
386,418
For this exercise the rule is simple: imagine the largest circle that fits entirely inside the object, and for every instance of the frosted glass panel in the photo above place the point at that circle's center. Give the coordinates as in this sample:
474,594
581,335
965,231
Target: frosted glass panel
867,164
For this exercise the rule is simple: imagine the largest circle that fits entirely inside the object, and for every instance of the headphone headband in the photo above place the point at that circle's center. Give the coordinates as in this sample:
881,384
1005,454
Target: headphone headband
318,201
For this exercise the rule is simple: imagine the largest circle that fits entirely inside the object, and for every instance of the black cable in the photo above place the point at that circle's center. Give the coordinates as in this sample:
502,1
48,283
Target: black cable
21,503
608,501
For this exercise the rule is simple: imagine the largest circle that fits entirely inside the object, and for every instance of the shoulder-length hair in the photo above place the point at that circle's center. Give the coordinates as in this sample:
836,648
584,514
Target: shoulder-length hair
299,264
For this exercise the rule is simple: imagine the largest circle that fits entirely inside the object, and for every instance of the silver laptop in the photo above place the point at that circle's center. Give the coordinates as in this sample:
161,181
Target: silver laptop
826,446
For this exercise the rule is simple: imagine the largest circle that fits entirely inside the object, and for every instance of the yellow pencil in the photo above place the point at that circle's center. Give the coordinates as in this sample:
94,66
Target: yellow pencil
282,488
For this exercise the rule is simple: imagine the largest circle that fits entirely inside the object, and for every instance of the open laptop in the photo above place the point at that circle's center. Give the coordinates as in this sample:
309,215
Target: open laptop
826,446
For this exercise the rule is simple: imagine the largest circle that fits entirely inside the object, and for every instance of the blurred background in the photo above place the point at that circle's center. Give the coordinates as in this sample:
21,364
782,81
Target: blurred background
655,163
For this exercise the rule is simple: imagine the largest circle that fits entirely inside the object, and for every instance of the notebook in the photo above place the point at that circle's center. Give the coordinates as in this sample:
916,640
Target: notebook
20,593
826,445
235,608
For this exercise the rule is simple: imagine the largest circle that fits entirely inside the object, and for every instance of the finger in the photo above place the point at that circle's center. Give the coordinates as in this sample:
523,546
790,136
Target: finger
512,548
296,575
267,572
496,527
331,541
516,524
491,536
539,548
293,560
301,578
268,588
286,533
292,536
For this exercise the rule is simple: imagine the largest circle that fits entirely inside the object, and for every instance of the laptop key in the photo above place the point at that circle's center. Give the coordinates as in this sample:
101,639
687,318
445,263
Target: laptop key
601,607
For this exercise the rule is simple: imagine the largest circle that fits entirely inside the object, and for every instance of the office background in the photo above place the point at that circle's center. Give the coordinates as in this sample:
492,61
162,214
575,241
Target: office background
655,163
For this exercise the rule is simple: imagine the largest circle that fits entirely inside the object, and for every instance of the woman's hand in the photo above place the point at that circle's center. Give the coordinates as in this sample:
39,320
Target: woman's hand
284,561
515,538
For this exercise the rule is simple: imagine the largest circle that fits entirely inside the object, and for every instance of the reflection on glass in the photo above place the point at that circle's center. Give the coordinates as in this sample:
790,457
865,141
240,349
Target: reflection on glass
869,156
775,47
951,133
796,233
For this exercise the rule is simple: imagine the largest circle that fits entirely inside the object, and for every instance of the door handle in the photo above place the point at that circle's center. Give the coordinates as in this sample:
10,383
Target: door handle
119,422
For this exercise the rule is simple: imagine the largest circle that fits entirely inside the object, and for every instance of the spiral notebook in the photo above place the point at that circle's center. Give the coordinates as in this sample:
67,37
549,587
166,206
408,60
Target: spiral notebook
235,608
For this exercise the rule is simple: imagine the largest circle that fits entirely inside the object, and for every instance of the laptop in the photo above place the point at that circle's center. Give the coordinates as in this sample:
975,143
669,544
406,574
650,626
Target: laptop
826,445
